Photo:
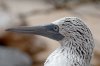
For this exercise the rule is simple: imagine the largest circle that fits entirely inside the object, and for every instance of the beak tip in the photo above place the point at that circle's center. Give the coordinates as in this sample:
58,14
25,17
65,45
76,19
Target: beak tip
8,29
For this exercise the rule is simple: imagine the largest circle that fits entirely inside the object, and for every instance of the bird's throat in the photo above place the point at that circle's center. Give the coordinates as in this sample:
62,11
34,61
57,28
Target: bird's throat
70,53
63,56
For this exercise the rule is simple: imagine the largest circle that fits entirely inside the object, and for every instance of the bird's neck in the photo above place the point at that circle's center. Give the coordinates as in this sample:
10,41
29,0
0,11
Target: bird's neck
76,52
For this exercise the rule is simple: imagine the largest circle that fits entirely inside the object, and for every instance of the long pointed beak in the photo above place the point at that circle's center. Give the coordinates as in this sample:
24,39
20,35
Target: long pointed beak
29,30
39,30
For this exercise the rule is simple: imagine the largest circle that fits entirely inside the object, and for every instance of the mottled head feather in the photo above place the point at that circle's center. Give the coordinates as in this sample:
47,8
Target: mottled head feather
71,26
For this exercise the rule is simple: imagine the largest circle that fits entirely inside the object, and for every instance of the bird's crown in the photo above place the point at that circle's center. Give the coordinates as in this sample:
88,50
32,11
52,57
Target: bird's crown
69,25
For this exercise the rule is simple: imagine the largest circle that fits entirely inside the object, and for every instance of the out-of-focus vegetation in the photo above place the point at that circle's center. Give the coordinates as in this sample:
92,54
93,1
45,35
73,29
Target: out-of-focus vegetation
32,50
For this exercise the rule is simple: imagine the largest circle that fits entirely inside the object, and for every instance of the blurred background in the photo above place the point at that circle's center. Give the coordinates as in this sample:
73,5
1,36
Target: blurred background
31,50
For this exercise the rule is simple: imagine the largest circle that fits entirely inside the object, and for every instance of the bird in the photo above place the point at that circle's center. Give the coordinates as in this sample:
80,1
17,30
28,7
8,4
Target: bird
75,38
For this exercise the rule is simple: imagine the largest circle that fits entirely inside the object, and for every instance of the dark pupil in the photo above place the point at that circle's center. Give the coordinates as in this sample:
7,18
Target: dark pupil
56,28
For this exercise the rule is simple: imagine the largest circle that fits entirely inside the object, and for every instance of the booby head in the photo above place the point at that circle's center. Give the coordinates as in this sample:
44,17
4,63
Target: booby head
57,30
74,36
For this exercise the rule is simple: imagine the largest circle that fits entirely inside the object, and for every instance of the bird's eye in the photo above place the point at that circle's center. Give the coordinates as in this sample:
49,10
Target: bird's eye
56,28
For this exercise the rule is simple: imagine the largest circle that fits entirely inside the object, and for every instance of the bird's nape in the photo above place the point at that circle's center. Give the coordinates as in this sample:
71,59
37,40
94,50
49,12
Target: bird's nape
49,31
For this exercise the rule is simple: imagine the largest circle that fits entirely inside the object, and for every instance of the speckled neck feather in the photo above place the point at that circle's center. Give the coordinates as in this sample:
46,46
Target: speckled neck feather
77,46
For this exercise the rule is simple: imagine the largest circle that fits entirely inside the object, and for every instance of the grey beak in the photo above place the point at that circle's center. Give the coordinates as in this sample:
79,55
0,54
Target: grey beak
46,31
27,30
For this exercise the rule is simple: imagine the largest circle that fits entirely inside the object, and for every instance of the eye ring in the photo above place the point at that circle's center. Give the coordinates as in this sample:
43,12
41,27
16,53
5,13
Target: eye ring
56,28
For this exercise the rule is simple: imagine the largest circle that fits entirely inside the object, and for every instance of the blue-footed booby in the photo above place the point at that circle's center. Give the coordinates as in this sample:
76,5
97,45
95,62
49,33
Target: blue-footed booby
74,36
